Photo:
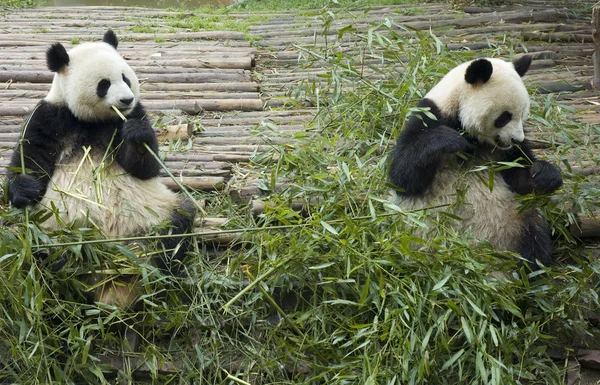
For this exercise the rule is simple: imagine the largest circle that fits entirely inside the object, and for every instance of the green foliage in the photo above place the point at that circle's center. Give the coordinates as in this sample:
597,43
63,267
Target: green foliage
285,5
383,310
20,3
484,3
211,19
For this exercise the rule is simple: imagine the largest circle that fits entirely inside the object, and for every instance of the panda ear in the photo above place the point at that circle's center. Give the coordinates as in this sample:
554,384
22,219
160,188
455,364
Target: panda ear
111,38
479,70
522,64
57,57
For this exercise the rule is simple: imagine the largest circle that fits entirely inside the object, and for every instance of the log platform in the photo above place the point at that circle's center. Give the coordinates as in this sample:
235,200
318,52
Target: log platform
220,99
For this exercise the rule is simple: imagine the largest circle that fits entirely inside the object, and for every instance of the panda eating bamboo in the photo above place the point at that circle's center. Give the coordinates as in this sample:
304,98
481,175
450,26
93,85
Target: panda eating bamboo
78,158
477,110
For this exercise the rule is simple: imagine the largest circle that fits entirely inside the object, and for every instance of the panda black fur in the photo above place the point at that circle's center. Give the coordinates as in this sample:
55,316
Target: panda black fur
479,110
83,159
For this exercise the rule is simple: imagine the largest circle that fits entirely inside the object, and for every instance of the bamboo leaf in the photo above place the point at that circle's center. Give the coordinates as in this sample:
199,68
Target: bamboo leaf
329,228
452,359
467,329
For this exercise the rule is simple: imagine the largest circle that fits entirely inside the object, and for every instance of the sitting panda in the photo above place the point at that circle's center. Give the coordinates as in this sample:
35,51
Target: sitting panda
474,117
78,158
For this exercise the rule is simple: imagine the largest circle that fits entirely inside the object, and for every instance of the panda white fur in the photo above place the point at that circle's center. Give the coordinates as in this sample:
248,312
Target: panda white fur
479,110
84,160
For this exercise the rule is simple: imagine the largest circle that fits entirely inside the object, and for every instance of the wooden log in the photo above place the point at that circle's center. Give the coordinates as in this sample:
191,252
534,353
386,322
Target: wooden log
194,107
224,238
51,38
194,173
198,87
586,226
233,157
596,40
209,76
557,37
196,58
243,149
257,207
16,111
241,139
173,95
225,63
198,164
175,132
248,193
209,183
26,76
209,221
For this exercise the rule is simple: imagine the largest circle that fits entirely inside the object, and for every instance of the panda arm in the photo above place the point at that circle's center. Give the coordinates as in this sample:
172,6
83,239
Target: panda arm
537,176
29,174
419,150
132,155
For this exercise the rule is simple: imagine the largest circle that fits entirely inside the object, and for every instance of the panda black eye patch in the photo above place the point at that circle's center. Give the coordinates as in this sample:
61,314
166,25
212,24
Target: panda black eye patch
102,89
503,119
126,81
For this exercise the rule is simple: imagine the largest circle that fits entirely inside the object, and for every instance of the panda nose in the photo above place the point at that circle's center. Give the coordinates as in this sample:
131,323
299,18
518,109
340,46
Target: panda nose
126,101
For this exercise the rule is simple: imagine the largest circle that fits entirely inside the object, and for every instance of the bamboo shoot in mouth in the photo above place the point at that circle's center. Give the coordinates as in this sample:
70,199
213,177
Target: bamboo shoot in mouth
119,113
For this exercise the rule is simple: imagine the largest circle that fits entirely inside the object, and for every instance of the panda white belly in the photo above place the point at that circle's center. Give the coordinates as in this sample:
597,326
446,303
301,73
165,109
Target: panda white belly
104,195
486,215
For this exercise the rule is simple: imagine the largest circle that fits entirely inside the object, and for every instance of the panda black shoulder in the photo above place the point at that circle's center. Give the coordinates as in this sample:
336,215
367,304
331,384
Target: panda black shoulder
420,147
429,115
51,119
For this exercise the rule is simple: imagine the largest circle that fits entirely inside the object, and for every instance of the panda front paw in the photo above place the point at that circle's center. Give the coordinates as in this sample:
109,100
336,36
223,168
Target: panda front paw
138,131
24,190
450,140
546,177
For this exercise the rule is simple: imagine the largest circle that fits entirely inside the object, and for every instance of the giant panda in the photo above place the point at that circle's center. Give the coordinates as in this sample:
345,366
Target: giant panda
471,119
79,159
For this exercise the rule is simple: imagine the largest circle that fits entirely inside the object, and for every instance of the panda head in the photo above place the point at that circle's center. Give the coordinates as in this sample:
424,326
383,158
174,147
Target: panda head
488,97
494,102
91,78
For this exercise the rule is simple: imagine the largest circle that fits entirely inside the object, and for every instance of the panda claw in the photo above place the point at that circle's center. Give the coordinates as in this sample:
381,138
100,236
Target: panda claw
24,190
138,132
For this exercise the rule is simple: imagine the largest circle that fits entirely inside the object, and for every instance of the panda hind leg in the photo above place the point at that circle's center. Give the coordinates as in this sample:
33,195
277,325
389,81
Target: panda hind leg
536,240
175,248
